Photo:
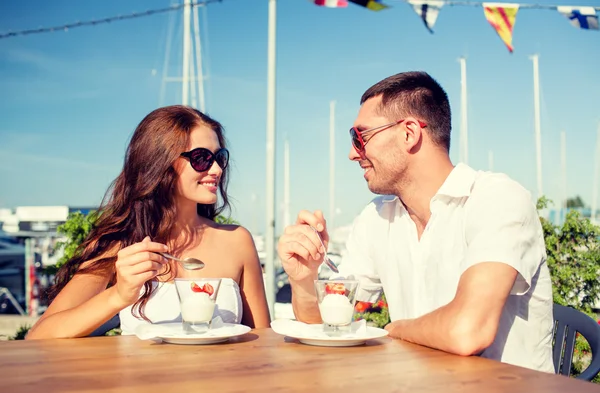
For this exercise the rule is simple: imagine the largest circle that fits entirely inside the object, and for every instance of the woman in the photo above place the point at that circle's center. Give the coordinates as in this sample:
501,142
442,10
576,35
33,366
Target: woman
164,200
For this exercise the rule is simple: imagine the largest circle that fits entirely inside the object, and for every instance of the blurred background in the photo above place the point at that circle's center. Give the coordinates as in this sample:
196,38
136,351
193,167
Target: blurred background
77,77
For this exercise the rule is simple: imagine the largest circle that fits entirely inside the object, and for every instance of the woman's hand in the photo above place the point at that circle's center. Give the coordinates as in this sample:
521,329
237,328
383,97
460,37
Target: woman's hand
135,265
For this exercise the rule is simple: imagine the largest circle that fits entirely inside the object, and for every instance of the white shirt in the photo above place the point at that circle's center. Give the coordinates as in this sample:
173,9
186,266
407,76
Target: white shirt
475,217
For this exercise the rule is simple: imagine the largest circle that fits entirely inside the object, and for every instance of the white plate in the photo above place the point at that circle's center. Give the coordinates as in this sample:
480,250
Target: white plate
173,333
313,335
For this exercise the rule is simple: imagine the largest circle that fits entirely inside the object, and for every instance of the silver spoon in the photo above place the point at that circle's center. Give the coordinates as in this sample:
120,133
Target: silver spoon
187,263
326,259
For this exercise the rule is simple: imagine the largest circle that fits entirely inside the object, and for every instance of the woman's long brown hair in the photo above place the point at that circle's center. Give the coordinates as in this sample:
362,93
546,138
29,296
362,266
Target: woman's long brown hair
140,201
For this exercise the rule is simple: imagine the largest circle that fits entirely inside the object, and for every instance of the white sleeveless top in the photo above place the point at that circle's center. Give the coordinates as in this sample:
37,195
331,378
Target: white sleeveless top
163,306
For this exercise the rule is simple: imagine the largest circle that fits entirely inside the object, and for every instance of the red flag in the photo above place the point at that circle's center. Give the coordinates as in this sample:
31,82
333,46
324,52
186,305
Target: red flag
331,3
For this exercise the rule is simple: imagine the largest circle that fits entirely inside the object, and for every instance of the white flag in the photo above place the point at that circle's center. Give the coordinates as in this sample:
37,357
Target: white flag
428,10
582,17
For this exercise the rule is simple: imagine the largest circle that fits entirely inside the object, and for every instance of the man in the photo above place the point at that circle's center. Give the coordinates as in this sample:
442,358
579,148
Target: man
460,253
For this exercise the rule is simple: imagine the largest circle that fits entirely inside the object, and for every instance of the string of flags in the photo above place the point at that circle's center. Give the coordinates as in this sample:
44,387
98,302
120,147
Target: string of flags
96,22
501,16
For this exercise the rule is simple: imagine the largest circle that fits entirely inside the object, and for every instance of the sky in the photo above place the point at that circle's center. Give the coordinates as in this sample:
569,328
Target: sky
70,100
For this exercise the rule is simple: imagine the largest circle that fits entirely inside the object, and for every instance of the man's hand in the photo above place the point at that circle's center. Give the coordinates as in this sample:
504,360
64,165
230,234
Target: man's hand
300,249
301,254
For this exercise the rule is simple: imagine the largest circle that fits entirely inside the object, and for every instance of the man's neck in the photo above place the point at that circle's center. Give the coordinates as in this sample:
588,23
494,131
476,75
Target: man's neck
424,181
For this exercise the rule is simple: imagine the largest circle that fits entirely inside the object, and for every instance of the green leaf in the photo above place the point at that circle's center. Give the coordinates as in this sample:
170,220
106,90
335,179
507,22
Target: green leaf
220,219
21,333
75,230
573,254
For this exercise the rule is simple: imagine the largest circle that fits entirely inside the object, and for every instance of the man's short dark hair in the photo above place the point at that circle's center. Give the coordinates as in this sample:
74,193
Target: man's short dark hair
415,94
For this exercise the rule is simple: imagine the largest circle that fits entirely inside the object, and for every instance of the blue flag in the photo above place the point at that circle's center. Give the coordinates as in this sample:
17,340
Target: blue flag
582,17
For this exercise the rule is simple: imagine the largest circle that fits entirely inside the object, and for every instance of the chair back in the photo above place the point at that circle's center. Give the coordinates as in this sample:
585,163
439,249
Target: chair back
111,324
567,323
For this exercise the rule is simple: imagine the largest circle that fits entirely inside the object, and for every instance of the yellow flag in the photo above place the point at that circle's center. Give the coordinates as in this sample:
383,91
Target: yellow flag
502,17
373,5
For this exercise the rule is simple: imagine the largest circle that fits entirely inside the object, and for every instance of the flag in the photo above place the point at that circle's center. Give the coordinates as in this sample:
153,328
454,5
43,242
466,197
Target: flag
373,5
330,3
502,17
582,17
428,10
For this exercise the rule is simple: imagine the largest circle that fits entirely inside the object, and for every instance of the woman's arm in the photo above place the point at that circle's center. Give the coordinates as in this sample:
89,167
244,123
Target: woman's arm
81,307
254,300
84,304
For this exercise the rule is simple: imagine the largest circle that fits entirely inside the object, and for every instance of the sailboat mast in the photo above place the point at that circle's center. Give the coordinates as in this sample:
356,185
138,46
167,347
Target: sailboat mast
464,138
186,53
563,168
270,151
331,164
199,74
286,184
595,180
538,132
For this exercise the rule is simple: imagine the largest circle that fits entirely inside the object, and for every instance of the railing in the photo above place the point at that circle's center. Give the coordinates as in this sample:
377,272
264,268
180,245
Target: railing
5,292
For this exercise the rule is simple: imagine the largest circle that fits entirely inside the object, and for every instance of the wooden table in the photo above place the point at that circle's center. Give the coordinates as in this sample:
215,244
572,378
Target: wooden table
261,361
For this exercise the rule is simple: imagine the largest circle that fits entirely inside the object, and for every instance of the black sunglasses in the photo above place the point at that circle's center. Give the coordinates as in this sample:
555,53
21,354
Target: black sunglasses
202,159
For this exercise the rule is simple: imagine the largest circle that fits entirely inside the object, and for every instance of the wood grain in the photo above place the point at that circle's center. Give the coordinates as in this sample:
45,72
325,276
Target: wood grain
261,361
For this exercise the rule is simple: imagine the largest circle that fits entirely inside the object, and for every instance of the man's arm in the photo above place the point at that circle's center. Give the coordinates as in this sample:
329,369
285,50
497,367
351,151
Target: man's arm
505,246
468,324
304,301
299,252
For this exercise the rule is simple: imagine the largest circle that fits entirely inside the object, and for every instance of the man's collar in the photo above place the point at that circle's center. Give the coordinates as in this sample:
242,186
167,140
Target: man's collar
459,182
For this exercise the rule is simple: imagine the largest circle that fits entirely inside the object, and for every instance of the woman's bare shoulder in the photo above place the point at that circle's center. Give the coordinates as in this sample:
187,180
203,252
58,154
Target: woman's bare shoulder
233,232
237,239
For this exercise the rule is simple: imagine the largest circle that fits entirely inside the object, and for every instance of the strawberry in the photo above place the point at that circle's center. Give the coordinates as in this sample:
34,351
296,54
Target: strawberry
362,306
337,288
208,289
